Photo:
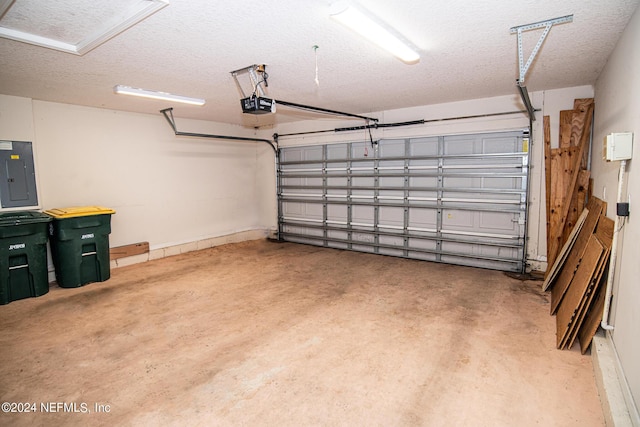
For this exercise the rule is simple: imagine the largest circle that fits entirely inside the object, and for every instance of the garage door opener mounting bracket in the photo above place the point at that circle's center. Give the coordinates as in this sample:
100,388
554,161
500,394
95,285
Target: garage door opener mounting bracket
524,67
257,102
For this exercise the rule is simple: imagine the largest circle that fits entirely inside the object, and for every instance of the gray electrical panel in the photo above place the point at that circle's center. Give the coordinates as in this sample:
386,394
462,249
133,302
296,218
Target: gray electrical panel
18,180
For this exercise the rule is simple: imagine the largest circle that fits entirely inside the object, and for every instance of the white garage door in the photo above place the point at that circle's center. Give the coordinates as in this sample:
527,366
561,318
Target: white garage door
458,199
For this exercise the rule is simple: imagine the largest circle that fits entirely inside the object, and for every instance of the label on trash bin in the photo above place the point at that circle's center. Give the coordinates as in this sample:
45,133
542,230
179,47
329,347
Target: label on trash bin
17,246
87,236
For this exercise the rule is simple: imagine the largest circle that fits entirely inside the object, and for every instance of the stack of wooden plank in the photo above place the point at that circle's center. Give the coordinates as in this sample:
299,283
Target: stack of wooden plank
567,174
577,291
579,238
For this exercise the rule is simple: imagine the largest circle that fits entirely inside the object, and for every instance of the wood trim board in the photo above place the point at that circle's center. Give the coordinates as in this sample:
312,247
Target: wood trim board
128,250
546,121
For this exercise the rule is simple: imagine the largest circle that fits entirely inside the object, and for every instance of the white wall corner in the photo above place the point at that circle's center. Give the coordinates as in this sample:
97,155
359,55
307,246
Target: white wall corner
535,265
272,233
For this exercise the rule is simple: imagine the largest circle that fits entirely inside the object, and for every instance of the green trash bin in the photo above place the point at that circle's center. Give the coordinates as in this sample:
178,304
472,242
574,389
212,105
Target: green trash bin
79,238
23,255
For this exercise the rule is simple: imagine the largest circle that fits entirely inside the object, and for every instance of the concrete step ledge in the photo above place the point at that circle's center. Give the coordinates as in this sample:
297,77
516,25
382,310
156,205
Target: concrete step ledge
610,387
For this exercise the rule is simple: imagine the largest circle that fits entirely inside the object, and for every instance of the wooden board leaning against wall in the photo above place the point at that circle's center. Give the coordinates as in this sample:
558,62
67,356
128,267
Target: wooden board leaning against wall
579,235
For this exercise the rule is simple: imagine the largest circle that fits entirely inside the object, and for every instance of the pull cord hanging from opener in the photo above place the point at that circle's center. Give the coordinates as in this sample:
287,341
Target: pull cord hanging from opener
366,148
315,51
374,144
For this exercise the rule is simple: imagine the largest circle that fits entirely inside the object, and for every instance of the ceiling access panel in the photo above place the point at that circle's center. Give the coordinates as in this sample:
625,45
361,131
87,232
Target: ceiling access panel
458,199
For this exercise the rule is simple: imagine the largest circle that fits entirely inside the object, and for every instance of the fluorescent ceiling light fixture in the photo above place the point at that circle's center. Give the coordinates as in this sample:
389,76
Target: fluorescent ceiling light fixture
359,22
126,90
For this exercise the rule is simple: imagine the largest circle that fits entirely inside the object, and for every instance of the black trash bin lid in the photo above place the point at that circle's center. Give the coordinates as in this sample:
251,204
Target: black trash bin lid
9,219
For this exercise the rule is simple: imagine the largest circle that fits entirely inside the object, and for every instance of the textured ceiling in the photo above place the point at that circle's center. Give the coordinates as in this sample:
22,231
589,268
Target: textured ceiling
69,21
190,47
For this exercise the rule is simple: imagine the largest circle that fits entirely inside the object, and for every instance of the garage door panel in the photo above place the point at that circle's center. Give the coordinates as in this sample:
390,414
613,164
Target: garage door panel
362,237
337,214
458,220
337,151
486,195
476,262
361,150
384,181
335,195
504,222
392,148
501,183
294,209
337,245
336,182
359,182
461,248
305,232
360,195
427,195
336,169
423,244
301,153
363,214
480,223
461,145
423,182
391,217
302,181
423,147
363,248
424,256
423,218
391,195
501,145
458,199
395,241
306,210
391,252
338,235
461,182
480,250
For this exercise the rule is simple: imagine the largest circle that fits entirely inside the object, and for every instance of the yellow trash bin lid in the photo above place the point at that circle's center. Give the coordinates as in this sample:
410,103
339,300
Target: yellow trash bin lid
75,211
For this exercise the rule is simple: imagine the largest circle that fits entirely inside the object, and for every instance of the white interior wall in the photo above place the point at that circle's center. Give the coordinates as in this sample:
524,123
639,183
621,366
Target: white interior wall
16,119
618,110
16,124
166,190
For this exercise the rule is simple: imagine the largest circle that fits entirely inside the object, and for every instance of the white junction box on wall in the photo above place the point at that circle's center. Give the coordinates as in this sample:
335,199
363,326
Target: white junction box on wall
618,146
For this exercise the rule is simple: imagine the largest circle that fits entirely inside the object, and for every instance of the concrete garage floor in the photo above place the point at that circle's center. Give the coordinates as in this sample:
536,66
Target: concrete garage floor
279,334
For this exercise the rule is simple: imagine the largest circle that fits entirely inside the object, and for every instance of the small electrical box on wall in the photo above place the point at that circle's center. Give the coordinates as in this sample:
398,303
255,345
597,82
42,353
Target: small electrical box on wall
18,177
618,146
